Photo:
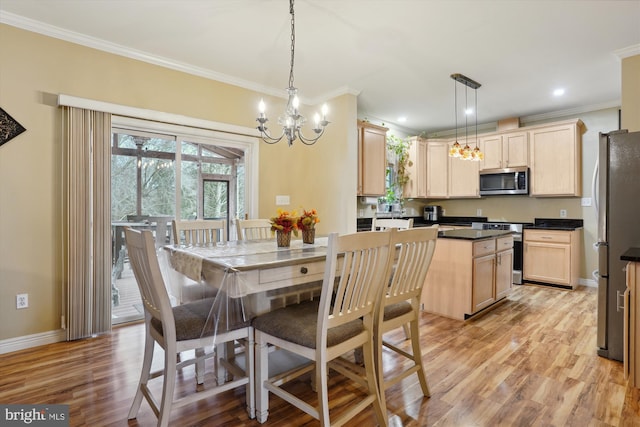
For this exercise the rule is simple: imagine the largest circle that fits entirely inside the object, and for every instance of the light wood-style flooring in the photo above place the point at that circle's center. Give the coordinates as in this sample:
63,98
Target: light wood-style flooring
530,362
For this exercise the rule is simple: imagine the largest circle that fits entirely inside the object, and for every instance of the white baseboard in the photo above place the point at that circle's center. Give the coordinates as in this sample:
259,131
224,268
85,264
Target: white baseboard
588,282
28,341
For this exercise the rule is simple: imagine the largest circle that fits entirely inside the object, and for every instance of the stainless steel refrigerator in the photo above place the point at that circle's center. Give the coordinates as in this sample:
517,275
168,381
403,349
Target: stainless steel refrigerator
618,207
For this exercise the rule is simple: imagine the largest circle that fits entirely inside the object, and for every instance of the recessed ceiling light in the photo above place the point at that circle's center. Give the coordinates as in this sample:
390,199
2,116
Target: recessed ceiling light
402,119
558,92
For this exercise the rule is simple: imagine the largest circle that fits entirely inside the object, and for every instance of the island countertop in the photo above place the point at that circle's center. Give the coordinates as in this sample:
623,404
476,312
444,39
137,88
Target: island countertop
469,234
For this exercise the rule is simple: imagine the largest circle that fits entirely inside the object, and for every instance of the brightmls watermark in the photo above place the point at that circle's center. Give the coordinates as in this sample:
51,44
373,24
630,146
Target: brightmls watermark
34,415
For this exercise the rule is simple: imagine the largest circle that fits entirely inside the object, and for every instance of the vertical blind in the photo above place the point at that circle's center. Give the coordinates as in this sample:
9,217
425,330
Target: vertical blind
87,222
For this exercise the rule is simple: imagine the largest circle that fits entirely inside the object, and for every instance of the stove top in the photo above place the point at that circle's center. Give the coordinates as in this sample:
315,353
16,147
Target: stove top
516,228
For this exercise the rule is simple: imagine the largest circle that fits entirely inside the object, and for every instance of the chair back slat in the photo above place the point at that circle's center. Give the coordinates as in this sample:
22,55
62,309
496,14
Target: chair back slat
199,232
254,229
414,248
363,273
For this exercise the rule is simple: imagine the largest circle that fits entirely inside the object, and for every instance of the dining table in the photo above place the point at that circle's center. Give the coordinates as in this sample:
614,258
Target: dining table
252,276
249,278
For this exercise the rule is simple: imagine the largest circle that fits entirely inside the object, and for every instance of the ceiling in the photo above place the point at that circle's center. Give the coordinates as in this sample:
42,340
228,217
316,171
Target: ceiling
396,55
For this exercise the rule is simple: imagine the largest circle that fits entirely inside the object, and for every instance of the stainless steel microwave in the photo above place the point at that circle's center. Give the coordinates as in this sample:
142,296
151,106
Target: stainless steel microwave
504,181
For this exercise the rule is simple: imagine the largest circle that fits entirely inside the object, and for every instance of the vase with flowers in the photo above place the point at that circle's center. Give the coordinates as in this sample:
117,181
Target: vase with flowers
283,225
307,223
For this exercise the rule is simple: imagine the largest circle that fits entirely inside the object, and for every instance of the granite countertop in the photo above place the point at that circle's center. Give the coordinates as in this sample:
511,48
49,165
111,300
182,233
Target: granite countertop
631,254
468,234
562,224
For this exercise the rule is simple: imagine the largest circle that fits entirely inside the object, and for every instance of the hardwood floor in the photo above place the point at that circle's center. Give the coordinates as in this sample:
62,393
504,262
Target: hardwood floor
530,362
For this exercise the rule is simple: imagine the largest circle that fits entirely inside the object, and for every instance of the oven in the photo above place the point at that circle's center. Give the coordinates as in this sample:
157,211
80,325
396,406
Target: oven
516,231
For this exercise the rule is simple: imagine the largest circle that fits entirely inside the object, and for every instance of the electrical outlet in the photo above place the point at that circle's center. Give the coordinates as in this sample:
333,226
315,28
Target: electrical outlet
22,301
282,200
563,213
478,212
585,201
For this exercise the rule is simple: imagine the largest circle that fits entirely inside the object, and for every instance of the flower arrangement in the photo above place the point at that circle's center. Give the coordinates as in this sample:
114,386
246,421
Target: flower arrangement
285,221
308,219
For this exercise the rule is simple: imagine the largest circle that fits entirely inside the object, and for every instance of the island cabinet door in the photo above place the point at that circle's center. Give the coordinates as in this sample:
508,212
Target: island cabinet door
483,282
504,273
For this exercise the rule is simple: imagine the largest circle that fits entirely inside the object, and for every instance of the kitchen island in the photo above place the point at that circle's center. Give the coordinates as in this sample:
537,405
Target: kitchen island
470,272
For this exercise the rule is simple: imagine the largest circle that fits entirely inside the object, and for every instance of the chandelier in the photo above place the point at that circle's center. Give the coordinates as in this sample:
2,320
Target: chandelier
292,121
465,153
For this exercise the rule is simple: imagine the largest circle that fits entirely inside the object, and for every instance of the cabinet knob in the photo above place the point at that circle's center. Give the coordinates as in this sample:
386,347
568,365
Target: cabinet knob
304,270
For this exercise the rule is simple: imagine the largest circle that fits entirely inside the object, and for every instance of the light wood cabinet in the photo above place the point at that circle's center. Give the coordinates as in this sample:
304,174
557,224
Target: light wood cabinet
507,150
468,276
631,354
552,257
555,159
428,169
437,169
464,178
504,266
372,159
417,168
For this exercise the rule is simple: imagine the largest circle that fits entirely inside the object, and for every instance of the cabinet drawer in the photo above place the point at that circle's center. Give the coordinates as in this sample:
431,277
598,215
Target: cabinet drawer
504,243
484,247
549,236
293,272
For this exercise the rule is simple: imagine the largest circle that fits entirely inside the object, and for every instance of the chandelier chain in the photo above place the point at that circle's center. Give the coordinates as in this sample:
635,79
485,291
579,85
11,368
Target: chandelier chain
293,41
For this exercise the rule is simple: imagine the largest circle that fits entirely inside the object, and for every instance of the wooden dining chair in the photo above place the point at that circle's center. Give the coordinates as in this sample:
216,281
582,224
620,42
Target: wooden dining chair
400,305
179,329
356,272
195,233
254,229
385,223
199,232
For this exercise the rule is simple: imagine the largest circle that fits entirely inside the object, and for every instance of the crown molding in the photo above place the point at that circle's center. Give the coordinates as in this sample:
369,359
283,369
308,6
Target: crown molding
116,49
570,112
628,51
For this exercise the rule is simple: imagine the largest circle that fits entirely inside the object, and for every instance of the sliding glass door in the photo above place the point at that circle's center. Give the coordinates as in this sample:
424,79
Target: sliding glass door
147,171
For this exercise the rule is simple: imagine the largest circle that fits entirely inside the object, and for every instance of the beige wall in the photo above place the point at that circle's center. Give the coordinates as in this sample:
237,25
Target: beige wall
35,69
631,93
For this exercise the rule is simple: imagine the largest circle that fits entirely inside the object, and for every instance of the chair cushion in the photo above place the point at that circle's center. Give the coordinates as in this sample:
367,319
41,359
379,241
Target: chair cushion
297,323
396,310
191,321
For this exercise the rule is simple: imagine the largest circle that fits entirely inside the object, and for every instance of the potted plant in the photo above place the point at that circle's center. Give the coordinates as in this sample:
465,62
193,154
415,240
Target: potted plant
282,225
398,148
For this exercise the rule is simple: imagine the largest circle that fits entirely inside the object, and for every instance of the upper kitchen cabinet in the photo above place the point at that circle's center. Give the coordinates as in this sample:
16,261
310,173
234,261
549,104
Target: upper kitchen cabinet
437,169
372,159
555,159
464,180
506,150
428,169
416,186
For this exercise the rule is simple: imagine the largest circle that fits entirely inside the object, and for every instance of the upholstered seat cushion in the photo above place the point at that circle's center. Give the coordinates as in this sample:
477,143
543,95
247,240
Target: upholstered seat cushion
395,310
298,323
191,321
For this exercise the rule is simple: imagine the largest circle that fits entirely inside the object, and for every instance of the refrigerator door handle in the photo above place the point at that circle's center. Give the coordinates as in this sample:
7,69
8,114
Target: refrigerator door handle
603,259
620,297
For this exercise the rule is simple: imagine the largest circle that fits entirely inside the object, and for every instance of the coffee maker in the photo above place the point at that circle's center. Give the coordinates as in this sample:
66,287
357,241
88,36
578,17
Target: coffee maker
432,213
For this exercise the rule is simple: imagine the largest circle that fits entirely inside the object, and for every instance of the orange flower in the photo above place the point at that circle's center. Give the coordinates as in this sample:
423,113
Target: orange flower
285,221
308,219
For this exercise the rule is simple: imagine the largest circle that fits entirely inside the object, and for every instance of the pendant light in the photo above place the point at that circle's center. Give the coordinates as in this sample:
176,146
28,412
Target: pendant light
465,153
291,121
